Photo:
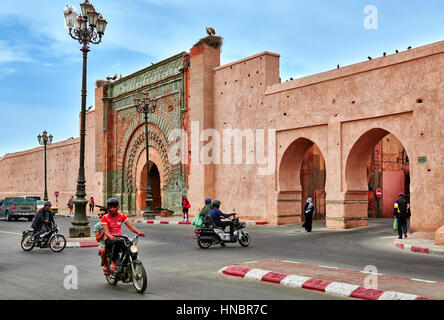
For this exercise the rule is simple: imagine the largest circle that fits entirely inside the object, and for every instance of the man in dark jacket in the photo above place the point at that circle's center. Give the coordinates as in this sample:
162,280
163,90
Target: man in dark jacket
42,221
401,211
216,215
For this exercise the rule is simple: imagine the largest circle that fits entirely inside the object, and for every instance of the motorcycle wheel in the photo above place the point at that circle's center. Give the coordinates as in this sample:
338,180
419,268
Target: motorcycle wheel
139,278
203,245
244,239
25,242
57,243
111,279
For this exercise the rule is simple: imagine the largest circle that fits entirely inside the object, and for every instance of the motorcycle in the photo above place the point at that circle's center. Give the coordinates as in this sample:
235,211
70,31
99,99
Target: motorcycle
210,234
52,239
129,267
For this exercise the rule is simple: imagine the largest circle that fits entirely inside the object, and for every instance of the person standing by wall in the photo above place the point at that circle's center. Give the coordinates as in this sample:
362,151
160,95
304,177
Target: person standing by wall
308,213
401,211
185,207
71,204
91,204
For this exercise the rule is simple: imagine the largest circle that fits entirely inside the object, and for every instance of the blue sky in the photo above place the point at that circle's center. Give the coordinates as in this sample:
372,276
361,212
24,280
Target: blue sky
40,65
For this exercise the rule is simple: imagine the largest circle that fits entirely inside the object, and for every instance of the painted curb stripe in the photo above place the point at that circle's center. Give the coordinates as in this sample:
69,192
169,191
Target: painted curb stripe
341,289
393,295
88,244
81,244
237,271
316,284
294,281
338,288
255,274
368,294
419,250
274,277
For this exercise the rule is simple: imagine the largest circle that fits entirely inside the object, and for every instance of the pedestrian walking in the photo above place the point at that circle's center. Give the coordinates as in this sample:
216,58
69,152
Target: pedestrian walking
91,204
401,211
308,213
185,207
71,204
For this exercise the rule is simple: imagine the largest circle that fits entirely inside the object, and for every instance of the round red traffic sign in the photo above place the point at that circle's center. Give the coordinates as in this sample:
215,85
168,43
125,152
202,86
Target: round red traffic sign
378,193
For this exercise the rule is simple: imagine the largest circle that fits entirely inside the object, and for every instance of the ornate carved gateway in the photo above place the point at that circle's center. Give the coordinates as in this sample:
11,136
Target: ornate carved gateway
124,140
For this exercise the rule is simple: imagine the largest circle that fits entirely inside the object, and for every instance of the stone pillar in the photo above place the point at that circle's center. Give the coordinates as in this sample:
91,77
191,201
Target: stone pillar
203,60
344,208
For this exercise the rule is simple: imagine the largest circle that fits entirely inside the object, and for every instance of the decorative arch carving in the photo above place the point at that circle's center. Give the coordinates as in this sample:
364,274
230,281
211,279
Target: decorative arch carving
135,147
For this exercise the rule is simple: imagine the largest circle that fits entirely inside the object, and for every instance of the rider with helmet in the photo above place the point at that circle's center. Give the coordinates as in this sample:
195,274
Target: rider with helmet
216,215
112,227
42,221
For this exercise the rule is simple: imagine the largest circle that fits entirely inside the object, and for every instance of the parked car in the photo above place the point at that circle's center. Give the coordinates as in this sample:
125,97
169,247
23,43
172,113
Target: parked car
39,205
17,207
33,198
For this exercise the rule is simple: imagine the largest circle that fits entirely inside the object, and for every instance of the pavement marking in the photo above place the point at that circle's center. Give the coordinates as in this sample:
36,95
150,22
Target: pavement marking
427,281
10,232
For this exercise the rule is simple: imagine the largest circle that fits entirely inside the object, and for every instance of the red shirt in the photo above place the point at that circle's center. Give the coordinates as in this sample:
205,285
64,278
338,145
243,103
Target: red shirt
114,223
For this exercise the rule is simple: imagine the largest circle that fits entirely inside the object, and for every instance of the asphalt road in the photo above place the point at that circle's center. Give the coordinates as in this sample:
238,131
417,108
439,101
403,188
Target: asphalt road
178,269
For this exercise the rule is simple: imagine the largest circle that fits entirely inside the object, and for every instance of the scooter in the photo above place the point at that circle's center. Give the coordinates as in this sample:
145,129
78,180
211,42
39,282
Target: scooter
212,235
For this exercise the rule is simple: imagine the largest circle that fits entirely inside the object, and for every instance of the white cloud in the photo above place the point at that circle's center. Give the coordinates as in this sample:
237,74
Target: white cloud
10,53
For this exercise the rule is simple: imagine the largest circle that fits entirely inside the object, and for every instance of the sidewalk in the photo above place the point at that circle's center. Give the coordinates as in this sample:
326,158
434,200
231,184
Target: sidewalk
419,243
337,281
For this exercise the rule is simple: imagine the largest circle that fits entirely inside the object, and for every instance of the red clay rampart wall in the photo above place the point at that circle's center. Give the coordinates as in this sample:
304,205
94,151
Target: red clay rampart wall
23,172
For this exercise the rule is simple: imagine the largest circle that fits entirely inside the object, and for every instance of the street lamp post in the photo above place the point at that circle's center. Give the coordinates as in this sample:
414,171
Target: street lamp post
44,140
89,27
145,106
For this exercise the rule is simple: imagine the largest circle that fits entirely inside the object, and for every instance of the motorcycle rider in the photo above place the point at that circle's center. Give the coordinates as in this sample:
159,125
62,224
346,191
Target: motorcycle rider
112,227
216,215
42,221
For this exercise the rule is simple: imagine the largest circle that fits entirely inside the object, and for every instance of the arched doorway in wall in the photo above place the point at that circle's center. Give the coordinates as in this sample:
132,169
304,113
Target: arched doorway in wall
378,161
313,180
157,173
155,188
301,175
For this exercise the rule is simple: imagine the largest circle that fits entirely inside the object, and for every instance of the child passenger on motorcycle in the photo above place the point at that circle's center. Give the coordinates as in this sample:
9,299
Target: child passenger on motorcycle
100,238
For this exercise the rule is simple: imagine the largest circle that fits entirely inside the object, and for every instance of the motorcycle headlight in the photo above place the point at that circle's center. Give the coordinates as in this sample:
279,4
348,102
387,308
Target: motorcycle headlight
134,249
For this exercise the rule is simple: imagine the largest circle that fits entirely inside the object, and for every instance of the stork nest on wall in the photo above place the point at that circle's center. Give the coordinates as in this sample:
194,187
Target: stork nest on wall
101,83
213,41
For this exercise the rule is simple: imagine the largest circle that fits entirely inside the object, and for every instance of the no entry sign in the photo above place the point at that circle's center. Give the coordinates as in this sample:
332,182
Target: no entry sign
378,193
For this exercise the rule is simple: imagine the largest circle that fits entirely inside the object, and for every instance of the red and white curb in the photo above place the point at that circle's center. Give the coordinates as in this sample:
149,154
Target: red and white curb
141,221
417,249
81,244
337,288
